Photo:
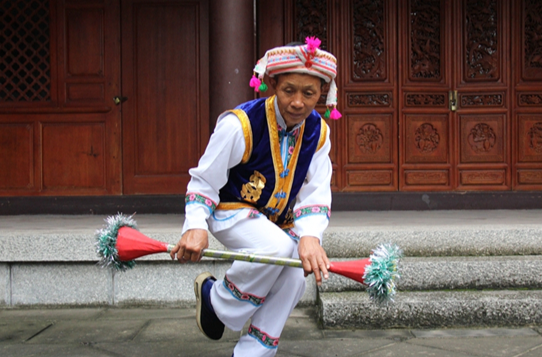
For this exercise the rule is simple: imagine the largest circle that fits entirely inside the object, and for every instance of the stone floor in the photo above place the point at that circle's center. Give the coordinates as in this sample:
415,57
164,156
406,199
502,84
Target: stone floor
116,332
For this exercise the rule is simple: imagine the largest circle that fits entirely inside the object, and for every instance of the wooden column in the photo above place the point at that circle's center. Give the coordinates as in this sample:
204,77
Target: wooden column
231,54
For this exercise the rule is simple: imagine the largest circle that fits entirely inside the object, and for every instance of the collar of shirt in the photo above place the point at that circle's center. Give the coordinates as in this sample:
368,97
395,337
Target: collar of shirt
281,123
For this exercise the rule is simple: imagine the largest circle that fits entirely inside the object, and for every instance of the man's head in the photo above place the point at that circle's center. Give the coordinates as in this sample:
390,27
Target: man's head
307,60
297,95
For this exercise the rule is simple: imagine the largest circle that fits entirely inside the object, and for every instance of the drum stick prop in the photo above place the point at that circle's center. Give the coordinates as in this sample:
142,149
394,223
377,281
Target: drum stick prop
119,242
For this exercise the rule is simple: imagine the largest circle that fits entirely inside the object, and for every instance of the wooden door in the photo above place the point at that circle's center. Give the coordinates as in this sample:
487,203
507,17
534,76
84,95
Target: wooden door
366,137
426,140
482,121
59,70
454,95
402,63
165,86
527,100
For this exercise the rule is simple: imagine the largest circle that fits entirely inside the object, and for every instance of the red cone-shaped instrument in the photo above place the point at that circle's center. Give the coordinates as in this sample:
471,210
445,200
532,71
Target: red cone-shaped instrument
119,243
132,244
353,269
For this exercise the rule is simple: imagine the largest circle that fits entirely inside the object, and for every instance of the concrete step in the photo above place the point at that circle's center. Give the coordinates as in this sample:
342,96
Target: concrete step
349,242
432,309
50,260
350,234
436,233
444,273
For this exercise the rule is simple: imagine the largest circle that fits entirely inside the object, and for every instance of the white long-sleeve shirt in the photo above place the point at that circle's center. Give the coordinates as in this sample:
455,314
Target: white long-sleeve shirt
224,151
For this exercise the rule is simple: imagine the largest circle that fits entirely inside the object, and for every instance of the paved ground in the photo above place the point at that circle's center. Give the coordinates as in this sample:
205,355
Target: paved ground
133,332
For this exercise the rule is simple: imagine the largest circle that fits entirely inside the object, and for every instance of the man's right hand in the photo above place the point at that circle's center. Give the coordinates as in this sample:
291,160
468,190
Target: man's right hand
191,245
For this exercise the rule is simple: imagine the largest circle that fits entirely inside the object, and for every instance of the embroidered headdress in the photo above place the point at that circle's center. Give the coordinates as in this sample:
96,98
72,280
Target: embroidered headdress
306,59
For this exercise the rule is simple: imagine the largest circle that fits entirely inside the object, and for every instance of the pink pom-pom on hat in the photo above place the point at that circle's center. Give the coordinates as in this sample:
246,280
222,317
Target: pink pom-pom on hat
255,83
313,43
335,114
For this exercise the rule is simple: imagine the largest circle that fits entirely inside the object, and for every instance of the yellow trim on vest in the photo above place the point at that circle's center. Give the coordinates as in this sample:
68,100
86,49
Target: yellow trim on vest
247,132
275,152
287,225
323,134
233,205
282,184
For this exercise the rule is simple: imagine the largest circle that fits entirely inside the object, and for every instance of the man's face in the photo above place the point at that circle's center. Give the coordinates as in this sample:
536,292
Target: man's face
297,95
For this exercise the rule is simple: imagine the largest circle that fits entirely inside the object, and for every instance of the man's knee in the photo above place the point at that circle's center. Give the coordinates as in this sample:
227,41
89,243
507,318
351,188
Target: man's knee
296,278
282,248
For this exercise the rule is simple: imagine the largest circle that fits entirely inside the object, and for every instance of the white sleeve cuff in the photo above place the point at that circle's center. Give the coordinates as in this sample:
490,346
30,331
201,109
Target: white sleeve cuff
195,217
313,226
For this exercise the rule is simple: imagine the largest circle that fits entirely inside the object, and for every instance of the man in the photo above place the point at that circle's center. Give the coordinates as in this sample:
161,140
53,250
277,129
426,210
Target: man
263,186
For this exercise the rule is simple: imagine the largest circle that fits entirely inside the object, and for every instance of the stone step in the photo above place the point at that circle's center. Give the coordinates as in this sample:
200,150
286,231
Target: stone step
438,273
77,245
352,242
50,260
354,310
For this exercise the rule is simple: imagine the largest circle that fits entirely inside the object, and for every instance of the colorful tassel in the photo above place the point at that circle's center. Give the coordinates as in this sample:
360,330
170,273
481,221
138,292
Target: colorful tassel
381,274
106,242
335,114
255,83
263,87
327,114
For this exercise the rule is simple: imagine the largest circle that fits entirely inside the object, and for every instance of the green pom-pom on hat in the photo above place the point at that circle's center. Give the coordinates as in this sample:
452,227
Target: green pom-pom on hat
106,242
263,87
327,114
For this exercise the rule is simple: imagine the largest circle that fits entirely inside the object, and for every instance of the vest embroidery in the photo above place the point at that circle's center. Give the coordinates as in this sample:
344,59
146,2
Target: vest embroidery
252,190
274,173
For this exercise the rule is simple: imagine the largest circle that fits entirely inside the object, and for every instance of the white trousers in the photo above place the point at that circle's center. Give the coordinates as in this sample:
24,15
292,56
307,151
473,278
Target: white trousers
265,293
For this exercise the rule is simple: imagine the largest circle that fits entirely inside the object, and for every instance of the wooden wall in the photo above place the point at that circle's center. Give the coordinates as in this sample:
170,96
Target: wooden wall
437,95
77,118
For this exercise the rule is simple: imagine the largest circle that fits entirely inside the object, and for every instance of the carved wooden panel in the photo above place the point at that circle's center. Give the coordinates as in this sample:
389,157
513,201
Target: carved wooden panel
78,160
426,100
370,178
482,138
482,40
25,61
311,20
427,177
530,99
426,45
480,100
369,52
482,177
530,138
370,99
530,177
370,138
426,138
16,156
531,41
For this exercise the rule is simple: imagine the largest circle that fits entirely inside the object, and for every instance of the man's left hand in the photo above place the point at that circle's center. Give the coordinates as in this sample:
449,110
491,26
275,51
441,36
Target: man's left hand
314,258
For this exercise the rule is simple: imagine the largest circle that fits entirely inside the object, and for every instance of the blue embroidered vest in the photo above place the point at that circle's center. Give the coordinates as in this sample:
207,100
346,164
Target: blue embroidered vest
260,181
